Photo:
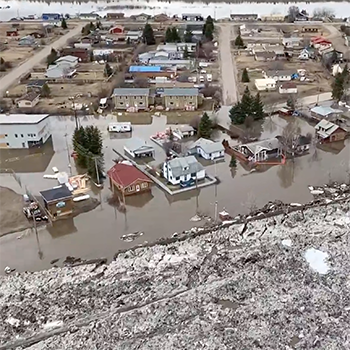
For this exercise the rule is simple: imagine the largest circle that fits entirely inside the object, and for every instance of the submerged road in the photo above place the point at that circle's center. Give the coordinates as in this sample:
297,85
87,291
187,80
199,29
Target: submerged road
15,74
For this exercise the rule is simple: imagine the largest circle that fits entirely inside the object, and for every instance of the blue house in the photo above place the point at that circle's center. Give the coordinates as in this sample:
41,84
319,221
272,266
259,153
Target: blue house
51,16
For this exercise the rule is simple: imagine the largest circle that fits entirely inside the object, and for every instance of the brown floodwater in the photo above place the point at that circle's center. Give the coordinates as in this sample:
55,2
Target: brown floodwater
98,233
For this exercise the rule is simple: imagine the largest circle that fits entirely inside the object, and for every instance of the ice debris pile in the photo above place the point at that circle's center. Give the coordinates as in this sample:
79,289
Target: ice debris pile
277,283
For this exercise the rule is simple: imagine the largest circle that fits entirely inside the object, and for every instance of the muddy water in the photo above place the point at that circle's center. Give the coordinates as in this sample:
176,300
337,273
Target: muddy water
97,233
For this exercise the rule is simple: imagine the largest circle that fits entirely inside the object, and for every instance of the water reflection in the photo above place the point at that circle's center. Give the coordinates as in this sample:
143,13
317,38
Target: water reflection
288,171
62,228
333,147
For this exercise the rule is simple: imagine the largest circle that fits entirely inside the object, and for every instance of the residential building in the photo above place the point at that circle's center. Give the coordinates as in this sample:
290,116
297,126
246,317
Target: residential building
162,17
327,132
310,29
178,64
133,35
27,41
92,16
69,61
325,112
151,72
279,75
261,150
35,86
192,17
51,16
304,55
128,179
115,15
13,32
183,169
275,17
58,201
59,72
265,84
117,29
24,130
82,53
180,98
247,17
191,47
142,17
29,100
207,149
292,41
183,131
265,56
138,148
125,98
288,88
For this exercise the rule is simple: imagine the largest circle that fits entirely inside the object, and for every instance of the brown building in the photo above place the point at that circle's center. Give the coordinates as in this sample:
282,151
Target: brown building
180,98
128,179
130,97
162,17
327,132
58,201
82,54
115,15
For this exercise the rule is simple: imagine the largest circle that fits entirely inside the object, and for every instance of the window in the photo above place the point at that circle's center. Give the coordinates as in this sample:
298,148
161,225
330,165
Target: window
6,135
144,185
191,97
16,135
140,103
177,178
131,188
7,144
171,103
121,103
22,135
27,103
193,175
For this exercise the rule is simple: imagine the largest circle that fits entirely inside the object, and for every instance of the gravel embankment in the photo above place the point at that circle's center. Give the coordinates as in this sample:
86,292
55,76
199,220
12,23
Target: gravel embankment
222,290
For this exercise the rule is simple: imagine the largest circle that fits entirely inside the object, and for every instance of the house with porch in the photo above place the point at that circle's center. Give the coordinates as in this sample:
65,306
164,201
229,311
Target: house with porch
261,150
138,148
183,169
207,149
327,132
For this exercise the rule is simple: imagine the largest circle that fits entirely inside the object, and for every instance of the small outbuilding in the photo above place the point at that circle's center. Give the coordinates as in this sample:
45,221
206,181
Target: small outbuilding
288,88
265,84
138,148
128,179
207,149
58,201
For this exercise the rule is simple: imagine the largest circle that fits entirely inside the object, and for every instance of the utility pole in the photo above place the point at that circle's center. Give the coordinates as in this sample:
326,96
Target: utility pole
68,155
97,173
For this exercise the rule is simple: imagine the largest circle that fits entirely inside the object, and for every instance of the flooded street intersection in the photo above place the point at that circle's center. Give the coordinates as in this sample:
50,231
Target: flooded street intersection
98,233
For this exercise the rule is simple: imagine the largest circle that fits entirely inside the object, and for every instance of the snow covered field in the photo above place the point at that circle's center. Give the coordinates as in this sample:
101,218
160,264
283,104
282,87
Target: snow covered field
282,284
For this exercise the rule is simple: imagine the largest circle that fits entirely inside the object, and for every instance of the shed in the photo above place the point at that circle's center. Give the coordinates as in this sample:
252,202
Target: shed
138,148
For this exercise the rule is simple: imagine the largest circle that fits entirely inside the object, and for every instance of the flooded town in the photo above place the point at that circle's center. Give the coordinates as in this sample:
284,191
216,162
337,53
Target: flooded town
136,144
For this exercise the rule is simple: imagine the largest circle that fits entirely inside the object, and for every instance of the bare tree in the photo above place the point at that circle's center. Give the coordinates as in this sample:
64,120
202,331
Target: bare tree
293,13
290,136
324,12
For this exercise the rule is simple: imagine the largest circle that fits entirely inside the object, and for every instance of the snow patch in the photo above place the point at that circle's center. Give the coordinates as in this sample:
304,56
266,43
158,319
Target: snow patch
316,260
54,324
287,242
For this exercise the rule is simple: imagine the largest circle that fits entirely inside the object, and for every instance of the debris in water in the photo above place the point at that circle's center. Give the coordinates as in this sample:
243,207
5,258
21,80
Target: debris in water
316,260
196,218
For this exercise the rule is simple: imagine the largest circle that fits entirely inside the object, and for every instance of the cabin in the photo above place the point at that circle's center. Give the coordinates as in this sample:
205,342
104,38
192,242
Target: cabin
327,132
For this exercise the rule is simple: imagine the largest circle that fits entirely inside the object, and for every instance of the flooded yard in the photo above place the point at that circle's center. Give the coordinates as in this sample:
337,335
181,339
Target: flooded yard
99,233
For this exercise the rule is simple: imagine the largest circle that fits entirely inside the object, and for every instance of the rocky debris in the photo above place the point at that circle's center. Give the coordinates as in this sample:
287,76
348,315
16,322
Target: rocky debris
255,288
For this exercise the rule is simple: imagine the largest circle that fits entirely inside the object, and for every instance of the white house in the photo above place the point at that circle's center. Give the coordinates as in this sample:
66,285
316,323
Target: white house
279,75
265,84
24,130
29,100
70,61
207,149
291,42
57,72
183,169
138,148
183,131
304,55
288,88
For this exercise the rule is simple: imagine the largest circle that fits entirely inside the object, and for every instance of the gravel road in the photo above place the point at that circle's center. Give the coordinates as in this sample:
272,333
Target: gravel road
14,75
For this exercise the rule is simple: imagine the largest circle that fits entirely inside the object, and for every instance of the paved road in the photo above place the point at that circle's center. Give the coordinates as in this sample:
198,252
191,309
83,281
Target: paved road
13,76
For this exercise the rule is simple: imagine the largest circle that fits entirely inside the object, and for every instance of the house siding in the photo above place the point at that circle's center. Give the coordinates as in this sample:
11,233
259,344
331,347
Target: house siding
180,102
124,102
200,175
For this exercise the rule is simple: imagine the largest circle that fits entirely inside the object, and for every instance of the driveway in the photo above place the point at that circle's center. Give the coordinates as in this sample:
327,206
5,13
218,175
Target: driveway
15,74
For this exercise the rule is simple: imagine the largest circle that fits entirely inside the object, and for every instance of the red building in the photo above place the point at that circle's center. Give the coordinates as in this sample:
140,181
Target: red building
128,179
82,54
117,30
13,32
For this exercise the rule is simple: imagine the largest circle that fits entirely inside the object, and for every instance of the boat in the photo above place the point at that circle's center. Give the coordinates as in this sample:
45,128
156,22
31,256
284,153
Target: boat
81,198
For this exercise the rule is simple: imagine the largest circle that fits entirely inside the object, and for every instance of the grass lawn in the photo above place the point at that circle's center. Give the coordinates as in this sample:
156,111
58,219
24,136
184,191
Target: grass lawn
141,118
181,117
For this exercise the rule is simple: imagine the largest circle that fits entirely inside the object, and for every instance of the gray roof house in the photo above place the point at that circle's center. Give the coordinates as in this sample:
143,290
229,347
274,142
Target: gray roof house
57,72
207,149
183,169
125,98
71,61
27,41
137,148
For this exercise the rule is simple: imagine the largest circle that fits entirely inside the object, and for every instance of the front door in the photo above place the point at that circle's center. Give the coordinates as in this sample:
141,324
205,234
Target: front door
138,188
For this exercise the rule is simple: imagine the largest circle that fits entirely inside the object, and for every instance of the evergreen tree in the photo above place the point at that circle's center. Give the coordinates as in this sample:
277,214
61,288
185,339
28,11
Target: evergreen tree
239,41
175,35
237,114
338,87
188,36
168,35
108,70
257,107
208,28
98,24
291,102
45,91
128,41
233,162
205,126
186,54
79,143
64,24
245,76
148,35
246,102
52,57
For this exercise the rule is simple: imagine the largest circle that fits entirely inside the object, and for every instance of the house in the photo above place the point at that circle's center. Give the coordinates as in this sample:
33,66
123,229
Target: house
191,47
12,32
166,63
27,41
279,75
238,17
207,149
35,86
183,169
310,29
118,29
325,112
151,72
162,17
302,144
69,61
29,100
59,71
192,17
304,55
261,150
265,84
327,132
128,179
183,131
24,130
290,42
82,54
138,148
92,16
142,17
115,15
125,98
275,17
265,56
58,201
51,16
180,98
133,35
288,88
321,43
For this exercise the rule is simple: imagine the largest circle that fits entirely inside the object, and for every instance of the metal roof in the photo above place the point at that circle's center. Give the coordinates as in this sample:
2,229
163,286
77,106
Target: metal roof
324,110
180,92
184,166
134,69
131,92
56,193
208,146
136,144
22,118
268,145
325,128
68,58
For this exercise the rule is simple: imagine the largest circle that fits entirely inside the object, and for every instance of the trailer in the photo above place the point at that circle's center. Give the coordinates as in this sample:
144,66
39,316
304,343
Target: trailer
120,127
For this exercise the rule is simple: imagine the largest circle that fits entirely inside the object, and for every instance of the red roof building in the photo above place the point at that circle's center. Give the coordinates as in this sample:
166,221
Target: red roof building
128,179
